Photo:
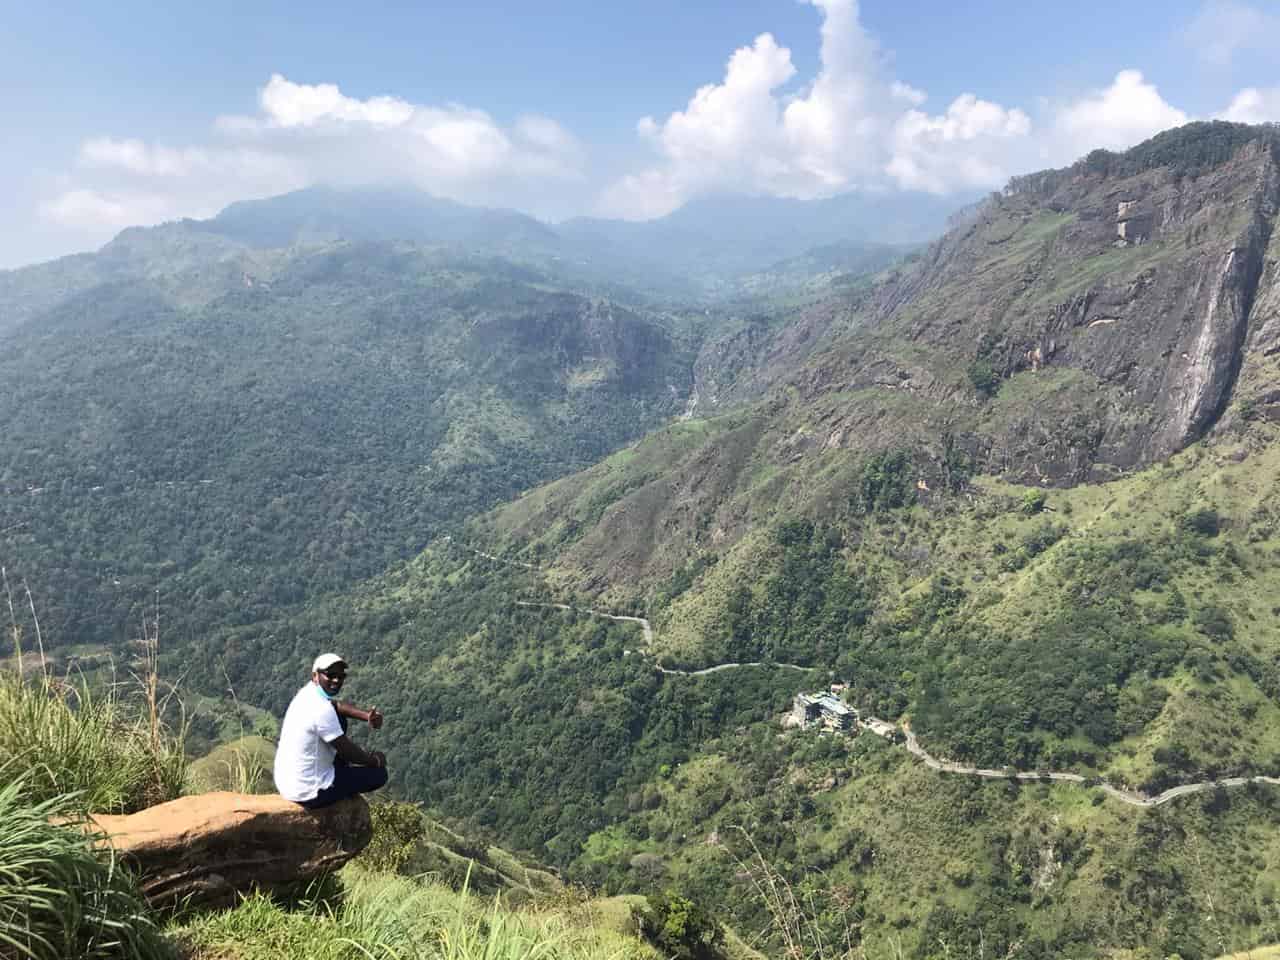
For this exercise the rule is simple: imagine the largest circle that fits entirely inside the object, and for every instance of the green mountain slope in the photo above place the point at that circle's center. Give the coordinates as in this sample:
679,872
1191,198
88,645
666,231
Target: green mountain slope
856,504
291,436
1017,494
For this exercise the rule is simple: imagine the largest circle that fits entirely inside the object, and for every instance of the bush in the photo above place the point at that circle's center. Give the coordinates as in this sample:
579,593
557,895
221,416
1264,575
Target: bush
1203,522
888,481
1033,502
679,927
59,897
398,828
1214,622
983,377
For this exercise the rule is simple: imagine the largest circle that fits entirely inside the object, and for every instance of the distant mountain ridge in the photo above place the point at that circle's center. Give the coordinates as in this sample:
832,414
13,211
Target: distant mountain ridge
699,252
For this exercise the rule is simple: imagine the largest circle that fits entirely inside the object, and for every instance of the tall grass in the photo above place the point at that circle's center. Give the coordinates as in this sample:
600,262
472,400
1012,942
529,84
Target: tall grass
106,745
69,739
383,917
59,897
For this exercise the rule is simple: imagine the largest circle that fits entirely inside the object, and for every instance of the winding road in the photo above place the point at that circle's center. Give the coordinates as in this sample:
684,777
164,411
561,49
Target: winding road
644,624
1132,797
891,731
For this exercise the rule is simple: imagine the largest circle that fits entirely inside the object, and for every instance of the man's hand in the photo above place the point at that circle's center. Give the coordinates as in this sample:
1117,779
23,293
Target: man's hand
375,718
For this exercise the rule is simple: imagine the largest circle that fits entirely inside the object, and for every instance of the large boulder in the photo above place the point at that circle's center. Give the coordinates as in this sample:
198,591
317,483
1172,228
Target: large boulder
205,849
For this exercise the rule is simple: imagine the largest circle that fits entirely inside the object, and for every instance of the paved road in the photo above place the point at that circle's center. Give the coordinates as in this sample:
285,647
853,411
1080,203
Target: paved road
647,628
644,624
729,666
888,730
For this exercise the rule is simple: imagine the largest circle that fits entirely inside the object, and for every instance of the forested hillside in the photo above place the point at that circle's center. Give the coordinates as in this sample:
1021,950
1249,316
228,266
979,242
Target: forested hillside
295,435
864,511
1016,493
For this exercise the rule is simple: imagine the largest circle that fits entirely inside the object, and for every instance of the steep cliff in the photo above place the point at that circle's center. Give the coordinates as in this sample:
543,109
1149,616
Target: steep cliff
1084,321
1082,324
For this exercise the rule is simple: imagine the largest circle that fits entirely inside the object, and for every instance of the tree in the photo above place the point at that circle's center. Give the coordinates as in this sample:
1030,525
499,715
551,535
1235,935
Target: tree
1033,502
679,927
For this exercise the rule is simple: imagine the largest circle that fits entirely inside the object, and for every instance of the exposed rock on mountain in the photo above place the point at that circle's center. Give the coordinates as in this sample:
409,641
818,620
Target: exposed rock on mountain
204,850
1083,321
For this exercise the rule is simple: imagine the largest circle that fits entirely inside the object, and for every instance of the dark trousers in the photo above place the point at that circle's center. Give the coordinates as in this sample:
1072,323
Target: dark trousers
347,782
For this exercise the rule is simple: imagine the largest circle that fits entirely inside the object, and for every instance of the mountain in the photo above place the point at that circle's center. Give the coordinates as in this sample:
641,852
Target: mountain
1017,494
733,247
302,429
1014,492
326,214
713,241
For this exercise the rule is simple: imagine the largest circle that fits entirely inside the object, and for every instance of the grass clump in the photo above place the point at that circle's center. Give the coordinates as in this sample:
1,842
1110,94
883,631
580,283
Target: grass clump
94,749
397,918
59,897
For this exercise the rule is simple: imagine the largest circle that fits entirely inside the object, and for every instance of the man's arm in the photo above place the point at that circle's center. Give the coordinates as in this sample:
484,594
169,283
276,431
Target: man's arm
372,716
352,752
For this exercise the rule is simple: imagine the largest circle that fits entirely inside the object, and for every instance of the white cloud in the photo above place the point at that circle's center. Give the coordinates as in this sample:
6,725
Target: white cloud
88,208
304,134
968,146
856,127
1225,28
1253,105
760,129
1116,118
287,104
852,127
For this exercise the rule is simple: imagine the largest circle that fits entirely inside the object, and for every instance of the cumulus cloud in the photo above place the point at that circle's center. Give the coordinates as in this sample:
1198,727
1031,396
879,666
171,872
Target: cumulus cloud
745,133
1253,105
1125,113
1225,28
81,208
309,133
968,146
761,128
854,126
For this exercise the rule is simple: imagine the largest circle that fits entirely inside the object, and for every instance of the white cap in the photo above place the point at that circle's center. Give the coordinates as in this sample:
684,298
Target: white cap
325,661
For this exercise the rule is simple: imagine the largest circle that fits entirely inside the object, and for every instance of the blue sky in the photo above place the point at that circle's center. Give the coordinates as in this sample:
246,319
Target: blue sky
133,112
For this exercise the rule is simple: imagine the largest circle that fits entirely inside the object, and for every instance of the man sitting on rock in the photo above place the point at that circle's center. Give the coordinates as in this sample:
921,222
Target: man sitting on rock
316,763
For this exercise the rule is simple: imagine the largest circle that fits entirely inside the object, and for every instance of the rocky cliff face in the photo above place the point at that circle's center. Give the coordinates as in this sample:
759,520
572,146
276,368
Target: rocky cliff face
1083,321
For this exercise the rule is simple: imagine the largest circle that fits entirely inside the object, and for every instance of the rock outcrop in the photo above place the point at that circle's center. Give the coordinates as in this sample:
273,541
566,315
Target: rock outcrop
1124,299
205,849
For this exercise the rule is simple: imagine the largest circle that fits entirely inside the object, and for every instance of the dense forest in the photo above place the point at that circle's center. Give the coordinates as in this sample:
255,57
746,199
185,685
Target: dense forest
294,437
939,487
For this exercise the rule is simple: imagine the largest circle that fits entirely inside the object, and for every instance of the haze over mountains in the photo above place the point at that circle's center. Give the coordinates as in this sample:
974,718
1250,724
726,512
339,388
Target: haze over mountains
1015,487
704,251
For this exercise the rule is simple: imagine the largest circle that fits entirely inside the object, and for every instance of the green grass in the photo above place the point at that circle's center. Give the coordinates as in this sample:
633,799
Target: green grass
60,898
396,918
242,766
90,745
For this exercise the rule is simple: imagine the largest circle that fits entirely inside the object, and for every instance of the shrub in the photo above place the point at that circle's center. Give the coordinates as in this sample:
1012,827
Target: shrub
1214,622
679,927
887,482
1202,521
398,828
1033,502
983,377
59,897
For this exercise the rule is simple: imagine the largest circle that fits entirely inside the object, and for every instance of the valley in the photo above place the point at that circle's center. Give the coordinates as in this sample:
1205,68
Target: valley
586,520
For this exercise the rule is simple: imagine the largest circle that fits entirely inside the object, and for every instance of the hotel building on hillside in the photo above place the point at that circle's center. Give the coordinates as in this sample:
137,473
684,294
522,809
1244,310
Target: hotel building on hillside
824,710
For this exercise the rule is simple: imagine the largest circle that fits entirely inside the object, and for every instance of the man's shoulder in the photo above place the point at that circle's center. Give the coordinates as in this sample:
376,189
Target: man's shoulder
305,700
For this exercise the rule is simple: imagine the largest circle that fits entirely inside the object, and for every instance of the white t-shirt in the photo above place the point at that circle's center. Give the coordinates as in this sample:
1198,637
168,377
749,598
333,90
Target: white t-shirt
304,757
